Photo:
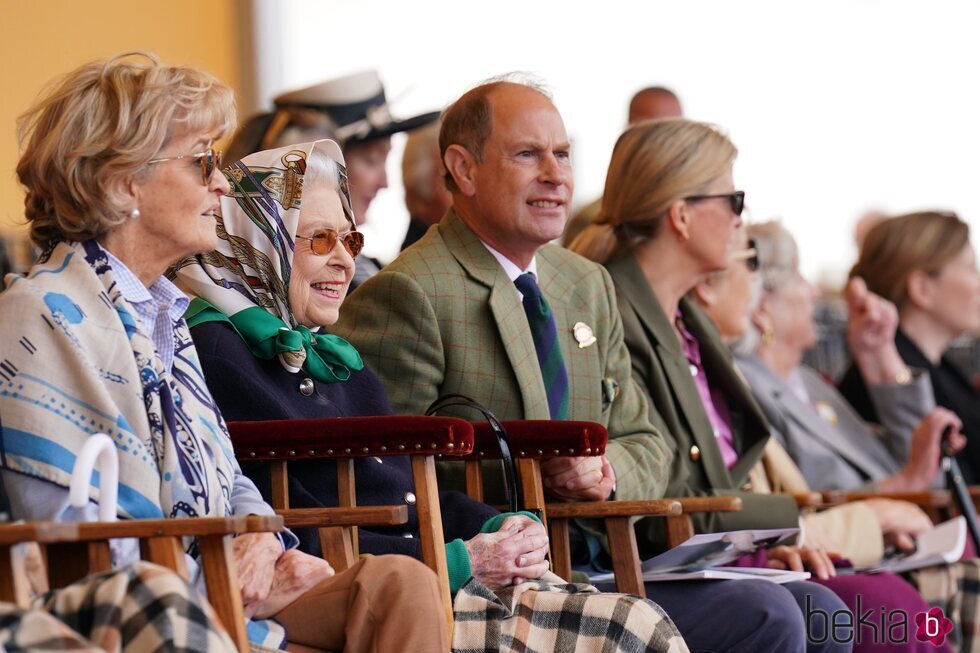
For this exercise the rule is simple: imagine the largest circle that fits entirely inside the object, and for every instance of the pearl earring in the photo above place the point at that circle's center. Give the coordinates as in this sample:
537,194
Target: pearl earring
134,214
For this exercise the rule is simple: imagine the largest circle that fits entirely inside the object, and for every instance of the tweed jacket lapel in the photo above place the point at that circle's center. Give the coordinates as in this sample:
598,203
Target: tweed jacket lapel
667,349
508,312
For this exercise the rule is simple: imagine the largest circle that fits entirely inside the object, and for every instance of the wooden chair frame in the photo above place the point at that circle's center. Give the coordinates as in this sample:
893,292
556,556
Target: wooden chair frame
343,439
74,550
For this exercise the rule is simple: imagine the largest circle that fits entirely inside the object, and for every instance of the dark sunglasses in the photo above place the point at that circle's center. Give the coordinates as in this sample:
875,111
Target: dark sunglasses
749,255
737,200
209,159
323,241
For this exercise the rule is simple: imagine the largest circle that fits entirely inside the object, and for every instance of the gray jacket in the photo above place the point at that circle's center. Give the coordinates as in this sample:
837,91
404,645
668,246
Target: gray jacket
834,448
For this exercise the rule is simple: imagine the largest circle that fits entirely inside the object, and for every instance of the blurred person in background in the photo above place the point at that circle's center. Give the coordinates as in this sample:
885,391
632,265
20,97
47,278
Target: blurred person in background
924,264
352,110
423,176
647,104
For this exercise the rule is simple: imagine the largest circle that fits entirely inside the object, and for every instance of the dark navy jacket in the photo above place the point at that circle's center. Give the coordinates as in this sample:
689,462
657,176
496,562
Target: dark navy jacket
250,389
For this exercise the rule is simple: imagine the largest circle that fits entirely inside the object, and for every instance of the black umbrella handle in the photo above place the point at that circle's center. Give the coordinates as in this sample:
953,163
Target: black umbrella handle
954,479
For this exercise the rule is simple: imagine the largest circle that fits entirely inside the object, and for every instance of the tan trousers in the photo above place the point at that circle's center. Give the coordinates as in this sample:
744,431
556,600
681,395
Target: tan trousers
381,604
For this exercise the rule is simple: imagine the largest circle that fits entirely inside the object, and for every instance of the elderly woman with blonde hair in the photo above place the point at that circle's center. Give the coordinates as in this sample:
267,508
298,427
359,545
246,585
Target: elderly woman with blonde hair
122,180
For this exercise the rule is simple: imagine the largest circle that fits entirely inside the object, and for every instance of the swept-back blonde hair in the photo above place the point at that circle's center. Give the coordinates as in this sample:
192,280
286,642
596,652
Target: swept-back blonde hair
654,164
98,126
896,247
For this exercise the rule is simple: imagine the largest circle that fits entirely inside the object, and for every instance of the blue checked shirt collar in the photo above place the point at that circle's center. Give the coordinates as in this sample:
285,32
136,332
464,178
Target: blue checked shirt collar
159,308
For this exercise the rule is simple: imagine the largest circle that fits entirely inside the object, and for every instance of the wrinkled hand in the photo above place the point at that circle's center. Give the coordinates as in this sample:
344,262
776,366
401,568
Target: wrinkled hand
582,478
510,556
900,521
295,574
255,556
924,453
797,558
871,325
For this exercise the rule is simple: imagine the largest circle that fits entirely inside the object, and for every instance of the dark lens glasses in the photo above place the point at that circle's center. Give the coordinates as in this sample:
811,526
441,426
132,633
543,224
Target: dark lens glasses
209,160
750,256
737,200
323,241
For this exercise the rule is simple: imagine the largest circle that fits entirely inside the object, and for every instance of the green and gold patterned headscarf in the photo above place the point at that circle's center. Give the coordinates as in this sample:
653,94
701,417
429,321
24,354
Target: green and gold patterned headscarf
245,280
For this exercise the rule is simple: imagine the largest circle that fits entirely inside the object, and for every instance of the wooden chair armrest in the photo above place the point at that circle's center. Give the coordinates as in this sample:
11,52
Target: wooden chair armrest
924,499
604,509
58,532
809,499
350,437
332,517
709,504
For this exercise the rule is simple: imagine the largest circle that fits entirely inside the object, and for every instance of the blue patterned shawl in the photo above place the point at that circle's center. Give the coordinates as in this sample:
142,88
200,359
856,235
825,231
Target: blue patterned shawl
75,361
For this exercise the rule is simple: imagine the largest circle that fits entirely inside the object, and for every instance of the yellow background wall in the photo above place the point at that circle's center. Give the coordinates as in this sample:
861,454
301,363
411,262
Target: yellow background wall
40,39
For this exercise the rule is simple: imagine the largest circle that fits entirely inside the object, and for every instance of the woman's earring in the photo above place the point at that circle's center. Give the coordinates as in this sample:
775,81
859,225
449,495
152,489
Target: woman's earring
767,336
134,214
685,236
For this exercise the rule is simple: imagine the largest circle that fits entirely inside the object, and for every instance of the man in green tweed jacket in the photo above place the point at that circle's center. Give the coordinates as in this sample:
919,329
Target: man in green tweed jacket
446,317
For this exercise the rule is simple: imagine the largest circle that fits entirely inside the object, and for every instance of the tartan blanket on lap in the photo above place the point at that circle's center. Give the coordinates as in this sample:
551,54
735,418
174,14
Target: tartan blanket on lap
956,589
139,608
558,616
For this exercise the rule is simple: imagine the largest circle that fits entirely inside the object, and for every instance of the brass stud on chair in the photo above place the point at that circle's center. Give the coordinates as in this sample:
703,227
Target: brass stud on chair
435,446
588,451
329,452
251,454
401,447
540,453
365,450
571,451
347,450
292,453
311,452
272,453
557,452
384,448
450,446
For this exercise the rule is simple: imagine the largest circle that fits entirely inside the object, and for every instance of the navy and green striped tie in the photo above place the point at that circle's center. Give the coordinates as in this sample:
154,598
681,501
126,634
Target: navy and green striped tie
545,335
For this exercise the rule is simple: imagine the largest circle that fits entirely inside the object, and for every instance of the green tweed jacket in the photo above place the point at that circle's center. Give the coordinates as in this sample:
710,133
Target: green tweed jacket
444,318
662,369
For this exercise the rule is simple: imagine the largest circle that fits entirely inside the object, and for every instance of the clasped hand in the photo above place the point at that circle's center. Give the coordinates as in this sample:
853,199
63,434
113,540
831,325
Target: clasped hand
581,478
513,554
270,578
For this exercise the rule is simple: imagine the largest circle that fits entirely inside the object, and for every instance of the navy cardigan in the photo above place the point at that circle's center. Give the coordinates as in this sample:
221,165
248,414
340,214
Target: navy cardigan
247,388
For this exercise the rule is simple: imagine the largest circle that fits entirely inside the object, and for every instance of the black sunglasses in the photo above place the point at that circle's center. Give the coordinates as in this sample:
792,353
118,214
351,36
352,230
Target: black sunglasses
323,241
737,200
210,159
750,255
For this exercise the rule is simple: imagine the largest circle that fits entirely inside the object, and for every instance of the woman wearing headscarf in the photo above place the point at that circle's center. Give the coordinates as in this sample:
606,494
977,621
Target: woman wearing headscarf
670,217
924,264
123,180
265,298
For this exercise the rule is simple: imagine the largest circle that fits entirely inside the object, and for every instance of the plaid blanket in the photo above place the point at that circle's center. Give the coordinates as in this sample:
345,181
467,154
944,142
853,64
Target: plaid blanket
140,608
558,616
956,589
